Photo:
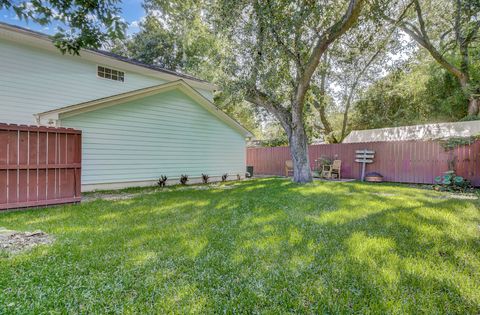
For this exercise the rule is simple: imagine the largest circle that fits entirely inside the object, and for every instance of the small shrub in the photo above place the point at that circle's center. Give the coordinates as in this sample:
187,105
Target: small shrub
162,181
470,118
325,160
205,178
449,181
183,179
224,177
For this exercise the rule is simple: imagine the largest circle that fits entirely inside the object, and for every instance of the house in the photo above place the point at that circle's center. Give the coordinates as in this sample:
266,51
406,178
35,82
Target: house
416,132
138,121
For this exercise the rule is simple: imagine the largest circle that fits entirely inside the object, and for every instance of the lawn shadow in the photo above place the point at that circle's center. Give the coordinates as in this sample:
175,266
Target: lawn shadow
267,245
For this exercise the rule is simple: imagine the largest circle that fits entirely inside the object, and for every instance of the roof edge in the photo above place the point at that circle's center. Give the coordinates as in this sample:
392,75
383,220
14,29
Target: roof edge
44,41
108,101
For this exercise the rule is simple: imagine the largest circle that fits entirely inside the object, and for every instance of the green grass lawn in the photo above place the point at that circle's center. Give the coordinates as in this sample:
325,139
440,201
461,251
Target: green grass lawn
264,246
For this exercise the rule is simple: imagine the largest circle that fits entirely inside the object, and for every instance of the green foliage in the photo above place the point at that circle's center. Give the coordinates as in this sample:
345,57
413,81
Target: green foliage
324,160
224,177
454,142
470,118
183,179
449,181
277,142
419,92
205,178
89,24
264,246
179,42
162,181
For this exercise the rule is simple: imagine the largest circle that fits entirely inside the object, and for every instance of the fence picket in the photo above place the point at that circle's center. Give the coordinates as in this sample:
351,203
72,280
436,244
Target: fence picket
39,166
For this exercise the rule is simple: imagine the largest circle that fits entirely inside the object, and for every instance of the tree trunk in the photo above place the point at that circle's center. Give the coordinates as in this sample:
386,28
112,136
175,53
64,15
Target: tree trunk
473,101
320,107
345,114
299,152
473,106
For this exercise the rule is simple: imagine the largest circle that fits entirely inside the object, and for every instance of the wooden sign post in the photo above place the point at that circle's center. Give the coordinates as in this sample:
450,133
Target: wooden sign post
364,156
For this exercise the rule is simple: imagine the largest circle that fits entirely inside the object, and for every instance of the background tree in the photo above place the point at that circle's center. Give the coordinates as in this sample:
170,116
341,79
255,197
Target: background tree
88,24
176,36
417,92
352,63
447,34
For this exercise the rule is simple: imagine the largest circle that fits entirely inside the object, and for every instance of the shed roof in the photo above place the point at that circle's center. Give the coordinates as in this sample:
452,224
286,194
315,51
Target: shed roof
416,132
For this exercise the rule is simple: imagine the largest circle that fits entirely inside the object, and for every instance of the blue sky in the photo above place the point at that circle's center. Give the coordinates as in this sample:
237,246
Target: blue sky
132,13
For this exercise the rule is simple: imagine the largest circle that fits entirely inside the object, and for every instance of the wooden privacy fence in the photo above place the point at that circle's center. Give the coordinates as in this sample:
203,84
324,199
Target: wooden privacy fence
399,161
39,166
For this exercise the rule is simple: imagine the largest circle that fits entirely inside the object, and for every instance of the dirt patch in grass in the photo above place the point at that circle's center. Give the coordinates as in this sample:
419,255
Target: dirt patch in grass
384,194
113,197
465,196
120,195
15,241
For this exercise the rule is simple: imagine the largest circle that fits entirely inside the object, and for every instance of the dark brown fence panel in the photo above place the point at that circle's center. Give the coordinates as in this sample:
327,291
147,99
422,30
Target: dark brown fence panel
39,166
399,161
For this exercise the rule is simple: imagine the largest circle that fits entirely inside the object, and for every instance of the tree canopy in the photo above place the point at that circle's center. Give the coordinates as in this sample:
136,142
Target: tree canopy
86,23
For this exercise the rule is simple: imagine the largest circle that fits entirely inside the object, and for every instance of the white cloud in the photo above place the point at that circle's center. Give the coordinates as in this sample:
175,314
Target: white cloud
133,27
135,24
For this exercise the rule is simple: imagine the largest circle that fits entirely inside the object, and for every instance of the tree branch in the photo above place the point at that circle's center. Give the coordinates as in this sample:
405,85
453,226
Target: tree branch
355,84
328,37
261,99
418,9
421,37
473,33
279,41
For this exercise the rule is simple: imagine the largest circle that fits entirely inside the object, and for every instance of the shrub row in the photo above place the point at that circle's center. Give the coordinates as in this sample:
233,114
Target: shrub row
162,181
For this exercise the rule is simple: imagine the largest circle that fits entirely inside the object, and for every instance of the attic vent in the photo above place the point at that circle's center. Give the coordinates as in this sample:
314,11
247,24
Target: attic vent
111,74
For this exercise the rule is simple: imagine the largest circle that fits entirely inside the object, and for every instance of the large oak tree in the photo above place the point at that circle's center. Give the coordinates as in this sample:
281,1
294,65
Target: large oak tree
277,47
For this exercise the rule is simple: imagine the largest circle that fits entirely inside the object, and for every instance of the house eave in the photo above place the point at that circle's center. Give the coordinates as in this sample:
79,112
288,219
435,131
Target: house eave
68,111
26,37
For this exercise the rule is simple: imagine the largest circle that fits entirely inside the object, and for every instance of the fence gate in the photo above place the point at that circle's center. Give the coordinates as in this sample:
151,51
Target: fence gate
39,166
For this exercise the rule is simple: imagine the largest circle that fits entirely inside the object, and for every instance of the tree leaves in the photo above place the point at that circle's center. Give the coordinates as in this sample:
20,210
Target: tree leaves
90,23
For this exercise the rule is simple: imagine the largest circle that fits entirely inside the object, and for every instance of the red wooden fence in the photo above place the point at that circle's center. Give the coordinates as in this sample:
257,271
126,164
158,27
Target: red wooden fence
39,166
400,161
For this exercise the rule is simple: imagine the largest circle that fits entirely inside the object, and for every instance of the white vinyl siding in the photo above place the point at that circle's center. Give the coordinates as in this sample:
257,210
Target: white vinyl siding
34,80
165,134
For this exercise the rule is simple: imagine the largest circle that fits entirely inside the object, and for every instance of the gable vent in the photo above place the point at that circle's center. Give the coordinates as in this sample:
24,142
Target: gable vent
110,74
